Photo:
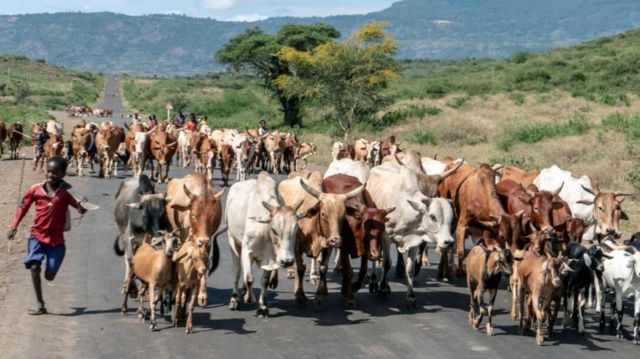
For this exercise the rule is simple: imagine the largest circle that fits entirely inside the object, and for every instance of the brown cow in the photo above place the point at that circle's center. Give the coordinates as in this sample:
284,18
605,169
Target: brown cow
274,146
163,147
108,141
195,210
206,154
80,141
3,136
360,238
516,174
226,162
15,137
191,264
477,205
320,227
291,147
388,147
348,151
53,147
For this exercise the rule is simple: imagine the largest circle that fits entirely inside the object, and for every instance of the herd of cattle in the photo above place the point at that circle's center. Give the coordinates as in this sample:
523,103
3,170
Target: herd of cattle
555,236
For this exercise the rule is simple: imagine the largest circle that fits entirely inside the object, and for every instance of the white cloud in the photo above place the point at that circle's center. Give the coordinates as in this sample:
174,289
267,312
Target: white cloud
248,17
217,4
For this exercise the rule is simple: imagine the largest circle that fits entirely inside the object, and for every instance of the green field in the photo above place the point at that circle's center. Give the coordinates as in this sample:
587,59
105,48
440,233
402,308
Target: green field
30,88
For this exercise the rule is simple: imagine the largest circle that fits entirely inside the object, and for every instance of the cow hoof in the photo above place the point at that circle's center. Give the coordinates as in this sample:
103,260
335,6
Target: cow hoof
539,341
514,315
320,300
263,313
153,327
619,334
202,300
350,303
489,330
385,289
601,326
233,304
124,311
301,300
315,279
411,303
291,273
374,288
337,270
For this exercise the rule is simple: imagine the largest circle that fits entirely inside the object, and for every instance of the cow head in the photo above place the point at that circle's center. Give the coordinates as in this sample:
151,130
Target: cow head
330,210
199,258
169,241
435,216
372,227
283,230
141,139
149,211
607,210
540,207
81,139
506,229
554,269
430,184
500,259
162,148
593,259
202,212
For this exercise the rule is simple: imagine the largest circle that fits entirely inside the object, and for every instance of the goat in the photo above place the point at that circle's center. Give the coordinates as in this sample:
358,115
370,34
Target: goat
192,262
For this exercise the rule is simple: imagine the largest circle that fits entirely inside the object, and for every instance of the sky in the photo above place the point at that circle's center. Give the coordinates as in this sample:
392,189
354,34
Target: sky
236,10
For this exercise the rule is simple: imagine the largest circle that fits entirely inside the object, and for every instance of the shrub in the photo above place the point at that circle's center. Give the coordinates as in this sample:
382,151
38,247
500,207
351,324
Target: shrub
458,102
423,138
520,57
532,133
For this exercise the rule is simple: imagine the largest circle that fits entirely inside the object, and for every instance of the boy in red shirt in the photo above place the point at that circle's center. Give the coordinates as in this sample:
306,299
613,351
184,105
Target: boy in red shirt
51,199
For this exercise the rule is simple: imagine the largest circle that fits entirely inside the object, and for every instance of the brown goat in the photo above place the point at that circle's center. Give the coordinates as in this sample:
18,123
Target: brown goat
192,263
155,269
484,271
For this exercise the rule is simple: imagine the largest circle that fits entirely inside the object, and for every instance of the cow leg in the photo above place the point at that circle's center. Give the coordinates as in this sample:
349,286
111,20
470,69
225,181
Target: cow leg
362,273
245,258
409,272
203,297
473,304
337,269
461,231
581,305
152,306
636,318
314,274
539,312
272,161
618,296
492,298
234,302
521,299
384,288
192,303
322,292
301,298
178,306
141,293
347,276
263,310
513,284
400,266
597,286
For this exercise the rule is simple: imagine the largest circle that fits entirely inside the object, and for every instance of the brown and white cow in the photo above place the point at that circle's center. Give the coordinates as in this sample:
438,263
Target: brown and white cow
305,150
319,228
108,141
138,144
195,211
274,146
53,147
163,147
80,141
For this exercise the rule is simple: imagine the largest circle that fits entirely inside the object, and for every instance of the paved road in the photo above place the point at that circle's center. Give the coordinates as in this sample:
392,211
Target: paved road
86,322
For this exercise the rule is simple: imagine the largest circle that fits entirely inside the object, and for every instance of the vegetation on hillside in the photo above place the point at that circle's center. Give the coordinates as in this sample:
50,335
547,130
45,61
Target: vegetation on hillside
29,88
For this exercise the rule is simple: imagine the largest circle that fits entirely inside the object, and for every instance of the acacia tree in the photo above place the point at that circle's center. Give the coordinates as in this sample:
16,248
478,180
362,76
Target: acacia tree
348,77
257,52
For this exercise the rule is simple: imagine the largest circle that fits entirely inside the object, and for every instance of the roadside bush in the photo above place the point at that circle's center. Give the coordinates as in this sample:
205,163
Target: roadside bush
458,102
424,138
532,133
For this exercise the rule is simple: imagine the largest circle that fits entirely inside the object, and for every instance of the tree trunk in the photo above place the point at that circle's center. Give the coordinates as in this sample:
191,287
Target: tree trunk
291,109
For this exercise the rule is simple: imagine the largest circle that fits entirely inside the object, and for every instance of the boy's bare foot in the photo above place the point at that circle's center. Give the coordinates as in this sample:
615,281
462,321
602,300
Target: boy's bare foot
37,311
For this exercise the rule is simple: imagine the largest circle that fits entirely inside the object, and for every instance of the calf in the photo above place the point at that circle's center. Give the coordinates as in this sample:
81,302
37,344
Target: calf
538,277
485,267
622,273
191,263
155,269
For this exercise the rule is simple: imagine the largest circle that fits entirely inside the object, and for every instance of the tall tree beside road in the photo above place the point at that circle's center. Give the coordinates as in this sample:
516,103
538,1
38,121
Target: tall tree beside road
257,52
348,77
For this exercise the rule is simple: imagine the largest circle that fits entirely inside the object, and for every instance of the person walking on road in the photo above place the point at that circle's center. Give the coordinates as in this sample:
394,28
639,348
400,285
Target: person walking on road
40,138
46,242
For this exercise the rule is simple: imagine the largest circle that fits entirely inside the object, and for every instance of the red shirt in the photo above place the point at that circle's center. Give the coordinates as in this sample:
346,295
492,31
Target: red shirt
51,213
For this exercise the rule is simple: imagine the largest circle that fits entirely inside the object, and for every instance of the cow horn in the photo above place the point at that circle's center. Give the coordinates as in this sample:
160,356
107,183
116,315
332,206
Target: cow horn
172,144
312,191
355,192
557,192
219,194
588,190
435,157
152,196
187,192
390,209
622,194
395,155
296,206
497,167
152,130
445,174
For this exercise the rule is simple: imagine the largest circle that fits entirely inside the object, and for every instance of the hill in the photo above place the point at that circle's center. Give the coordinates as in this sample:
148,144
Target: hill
30,88
437,29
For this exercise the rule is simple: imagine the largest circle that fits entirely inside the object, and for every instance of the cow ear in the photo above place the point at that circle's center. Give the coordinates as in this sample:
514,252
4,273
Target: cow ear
263,220
219,194
354,212
136,205
415,205
179,207
188,193
269,207
586,202
623,216
310,212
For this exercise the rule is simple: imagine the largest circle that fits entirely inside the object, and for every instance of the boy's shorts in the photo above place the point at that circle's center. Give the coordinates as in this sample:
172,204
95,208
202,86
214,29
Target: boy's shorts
37,251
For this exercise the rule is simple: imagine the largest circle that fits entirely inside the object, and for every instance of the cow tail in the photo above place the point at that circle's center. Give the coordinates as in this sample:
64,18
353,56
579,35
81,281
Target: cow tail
215,253
116,247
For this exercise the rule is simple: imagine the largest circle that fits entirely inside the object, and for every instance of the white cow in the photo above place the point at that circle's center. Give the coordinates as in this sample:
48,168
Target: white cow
236,141
184,144
622,273
416,218
260,230
434,167
350,167
141,140
573,193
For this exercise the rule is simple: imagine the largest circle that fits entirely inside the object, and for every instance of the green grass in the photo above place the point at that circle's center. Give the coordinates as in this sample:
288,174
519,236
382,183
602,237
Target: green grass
424,138
532,133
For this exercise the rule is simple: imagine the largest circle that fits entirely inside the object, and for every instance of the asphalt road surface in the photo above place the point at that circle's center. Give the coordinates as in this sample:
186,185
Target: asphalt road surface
85,320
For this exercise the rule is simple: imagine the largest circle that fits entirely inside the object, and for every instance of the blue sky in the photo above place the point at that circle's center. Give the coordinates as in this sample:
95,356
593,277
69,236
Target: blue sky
240,10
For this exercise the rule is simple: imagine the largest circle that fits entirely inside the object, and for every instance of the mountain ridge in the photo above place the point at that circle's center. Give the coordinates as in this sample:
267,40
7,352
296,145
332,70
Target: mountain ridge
436,29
